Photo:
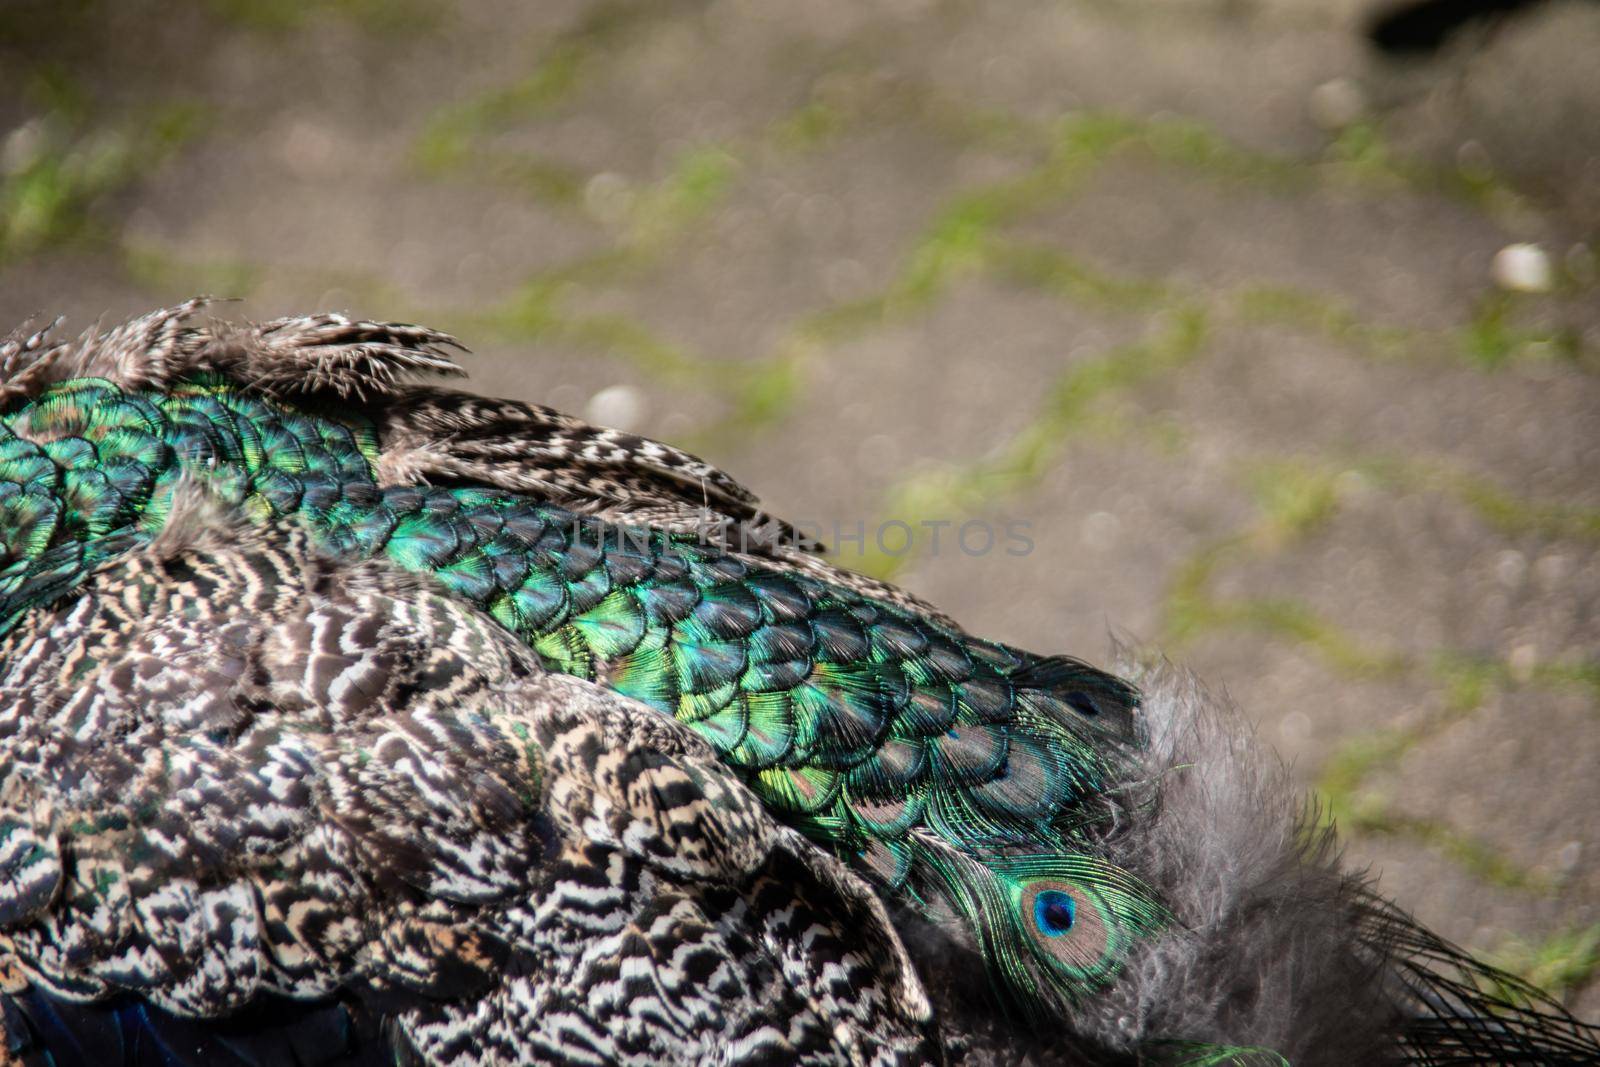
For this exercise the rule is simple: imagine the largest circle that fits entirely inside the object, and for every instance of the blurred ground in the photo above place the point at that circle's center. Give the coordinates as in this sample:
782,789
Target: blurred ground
1199,291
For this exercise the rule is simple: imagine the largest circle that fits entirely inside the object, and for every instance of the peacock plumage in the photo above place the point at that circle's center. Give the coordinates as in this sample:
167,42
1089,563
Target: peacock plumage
351,719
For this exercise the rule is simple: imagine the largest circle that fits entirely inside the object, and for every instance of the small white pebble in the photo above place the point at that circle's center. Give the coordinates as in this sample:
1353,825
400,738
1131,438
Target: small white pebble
1553,570
1522,268
1510,567
1522,661
1100,530
1295,728
608,197
309,149
20,147
1336,104
1567,859
619,406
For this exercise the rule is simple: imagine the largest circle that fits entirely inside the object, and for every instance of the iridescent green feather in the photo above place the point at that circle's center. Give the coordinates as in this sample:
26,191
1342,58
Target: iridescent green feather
940,763
1198,1054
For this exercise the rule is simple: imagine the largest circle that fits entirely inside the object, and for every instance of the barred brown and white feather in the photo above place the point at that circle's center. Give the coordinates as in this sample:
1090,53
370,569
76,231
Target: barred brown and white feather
238,770
295,770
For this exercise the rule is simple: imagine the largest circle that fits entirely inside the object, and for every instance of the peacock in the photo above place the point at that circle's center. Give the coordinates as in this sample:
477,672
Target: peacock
348,718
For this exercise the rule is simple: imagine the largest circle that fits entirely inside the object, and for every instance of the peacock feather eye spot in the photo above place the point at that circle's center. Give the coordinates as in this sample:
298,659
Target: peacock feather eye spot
1081,703
1054,912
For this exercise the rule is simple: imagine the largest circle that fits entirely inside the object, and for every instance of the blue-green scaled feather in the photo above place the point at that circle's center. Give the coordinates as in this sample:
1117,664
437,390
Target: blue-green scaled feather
940,763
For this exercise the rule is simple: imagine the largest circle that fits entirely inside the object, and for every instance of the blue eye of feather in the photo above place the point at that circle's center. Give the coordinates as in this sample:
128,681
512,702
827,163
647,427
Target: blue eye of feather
1053,912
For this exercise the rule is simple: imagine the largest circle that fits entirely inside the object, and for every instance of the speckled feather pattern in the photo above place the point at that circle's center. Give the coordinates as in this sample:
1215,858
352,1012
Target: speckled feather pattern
941,765
349,719
238,769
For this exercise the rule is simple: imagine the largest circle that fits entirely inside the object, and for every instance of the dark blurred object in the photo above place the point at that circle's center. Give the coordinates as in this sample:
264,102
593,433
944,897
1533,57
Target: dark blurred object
1419,28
